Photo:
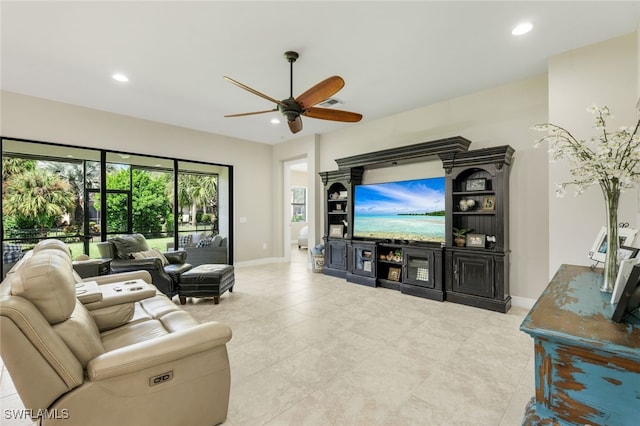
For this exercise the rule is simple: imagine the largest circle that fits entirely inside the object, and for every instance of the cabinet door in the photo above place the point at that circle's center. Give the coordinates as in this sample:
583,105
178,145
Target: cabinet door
473,274
337,255
363,260
419,268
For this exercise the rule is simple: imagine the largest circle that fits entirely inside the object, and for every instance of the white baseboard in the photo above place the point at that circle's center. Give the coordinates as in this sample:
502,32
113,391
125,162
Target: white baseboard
258,262
522,302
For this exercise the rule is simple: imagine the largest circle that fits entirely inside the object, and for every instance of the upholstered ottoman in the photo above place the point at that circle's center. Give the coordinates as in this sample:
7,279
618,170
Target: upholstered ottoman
207,280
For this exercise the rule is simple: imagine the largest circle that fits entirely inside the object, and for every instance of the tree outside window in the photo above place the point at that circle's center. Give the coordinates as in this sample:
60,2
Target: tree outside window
298,204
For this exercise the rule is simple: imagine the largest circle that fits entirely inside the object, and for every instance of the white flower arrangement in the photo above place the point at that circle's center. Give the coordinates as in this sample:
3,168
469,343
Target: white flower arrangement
611,159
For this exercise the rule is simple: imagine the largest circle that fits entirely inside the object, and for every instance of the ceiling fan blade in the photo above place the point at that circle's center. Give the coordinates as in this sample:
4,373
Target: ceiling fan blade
321,91
333,114
251,113
254,91
296,125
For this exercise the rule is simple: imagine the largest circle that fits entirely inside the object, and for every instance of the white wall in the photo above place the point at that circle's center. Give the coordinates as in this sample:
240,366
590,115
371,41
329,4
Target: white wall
42,120
605,74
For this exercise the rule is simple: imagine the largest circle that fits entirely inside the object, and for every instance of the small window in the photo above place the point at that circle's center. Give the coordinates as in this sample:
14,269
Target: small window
299,204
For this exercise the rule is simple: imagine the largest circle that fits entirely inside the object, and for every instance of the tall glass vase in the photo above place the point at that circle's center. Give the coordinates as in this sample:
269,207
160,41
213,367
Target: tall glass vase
611,198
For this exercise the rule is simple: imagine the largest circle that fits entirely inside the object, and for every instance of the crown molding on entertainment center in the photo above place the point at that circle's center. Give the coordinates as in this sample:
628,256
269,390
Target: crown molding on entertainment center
424,151
498,155
476,274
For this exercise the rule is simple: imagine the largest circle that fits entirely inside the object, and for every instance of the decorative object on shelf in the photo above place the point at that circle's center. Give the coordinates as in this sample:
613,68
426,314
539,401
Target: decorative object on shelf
391,255
489,203
466,204
334,195
397,255
336,231
459,236
612,159
342,195
339,207
394,274
476,240
491,241
479,184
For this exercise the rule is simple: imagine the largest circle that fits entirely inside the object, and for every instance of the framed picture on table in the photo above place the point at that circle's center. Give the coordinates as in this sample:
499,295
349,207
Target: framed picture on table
629,302
599,250
626,266
626,252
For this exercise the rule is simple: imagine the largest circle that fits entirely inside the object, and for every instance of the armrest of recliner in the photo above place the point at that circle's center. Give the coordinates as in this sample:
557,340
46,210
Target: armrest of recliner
158,351
176,257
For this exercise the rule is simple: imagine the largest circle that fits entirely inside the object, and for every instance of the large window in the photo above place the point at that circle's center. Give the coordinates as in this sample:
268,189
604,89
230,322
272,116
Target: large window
298,204
83,196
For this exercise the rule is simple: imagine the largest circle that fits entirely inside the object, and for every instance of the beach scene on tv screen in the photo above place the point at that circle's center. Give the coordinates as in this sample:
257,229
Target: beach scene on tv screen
405,210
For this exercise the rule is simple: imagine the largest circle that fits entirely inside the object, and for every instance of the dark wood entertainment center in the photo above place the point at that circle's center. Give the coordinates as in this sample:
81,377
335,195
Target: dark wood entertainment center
477,275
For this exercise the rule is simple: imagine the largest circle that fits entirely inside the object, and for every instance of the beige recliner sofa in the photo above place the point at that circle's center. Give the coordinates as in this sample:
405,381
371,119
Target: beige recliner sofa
107,350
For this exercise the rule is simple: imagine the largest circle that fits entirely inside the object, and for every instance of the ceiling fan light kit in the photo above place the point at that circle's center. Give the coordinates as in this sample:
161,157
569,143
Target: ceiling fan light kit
292,108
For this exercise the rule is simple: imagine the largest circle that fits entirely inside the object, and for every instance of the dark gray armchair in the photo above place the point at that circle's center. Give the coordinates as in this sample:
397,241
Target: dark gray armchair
165,277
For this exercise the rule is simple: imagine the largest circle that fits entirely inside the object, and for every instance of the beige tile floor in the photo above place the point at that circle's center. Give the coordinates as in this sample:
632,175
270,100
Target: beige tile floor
309,349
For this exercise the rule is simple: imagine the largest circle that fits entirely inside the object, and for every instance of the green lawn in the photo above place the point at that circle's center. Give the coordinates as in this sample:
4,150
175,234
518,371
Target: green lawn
77,248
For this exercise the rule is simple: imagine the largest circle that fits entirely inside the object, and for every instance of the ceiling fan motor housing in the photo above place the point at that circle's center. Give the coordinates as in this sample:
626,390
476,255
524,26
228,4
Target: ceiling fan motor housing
290,109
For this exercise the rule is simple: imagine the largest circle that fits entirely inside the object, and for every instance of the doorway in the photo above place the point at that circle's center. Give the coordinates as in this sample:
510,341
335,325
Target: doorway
296,205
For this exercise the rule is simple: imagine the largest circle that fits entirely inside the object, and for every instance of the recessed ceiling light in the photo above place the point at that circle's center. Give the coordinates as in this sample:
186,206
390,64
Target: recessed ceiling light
120,77
275,120
522,28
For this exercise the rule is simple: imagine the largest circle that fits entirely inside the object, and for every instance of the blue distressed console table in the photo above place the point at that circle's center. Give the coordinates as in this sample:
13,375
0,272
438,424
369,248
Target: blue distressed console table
587,367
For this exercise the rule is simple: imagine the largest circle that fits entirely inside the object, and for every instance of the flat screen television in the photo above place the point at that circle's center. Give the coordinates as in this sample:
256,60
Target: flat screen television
411,210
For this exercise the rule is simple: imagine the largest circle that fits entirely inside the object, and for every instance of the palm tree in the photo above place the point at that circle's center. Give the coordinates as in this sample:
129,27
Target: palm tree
209,195
12,166
37,198
195,190
73,173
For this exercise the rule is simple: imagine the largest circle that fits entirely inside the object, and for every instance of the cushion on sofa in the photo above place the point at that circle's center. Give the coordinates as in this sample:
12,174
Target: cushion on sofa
184,240
47,281
150,253
127,244
204,243
11,253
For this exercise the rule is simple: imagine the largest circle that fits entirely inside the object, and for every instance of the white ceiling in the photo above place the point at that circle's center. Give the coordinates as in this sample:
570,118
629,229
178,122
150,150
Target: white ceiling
394,56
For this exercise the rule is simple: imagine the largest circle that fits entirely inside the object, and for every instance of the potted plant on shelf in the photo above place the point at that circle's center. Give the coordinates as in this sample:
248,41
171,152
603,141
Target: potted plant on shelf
459,236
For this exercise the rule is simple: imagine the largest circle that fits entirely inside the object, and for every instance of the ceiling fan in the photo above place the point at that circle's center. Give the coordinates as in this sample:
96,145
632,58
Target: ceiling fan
292,107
